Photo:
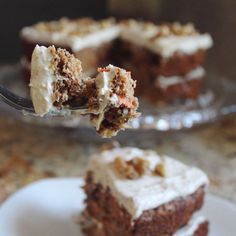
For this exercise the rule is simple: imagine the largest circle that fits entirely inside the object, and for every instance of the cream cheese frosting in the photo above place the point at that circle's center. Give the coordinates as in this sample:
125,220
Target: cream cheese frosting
41,81
165,81
148,191
191,227
166,46
75,34
165,40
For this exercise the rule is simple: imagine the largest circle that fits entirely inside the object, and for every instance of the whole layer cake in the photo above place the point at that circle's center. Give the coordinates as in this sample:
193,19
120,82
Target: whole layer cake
58,85
153,52
137,192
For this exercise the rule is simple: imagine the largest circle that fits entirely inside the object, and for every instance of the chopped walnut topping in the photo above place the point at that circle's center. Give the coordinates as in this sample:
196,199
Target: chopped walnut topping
153,31
132,169
75,27
140,165
160,170
136,168
124,169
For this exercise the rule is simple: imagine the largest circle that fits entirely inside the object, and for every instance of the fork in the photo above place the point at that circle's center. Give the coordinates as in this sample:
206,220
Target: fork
24,104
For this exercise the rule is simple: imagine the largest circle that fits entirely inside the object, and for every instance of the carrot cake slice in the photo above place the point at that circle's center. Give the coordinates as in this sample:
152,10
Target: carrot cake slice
134,192
58,84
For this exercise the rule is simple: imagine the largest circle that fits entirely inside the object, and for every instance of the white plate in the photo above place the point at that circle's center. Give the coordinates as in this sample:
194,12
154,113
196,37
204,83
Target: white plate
50,207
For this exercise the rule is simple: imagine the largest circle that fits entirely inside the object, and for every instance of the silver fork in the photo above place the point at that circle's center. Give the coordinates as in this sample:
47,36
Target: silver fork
24,104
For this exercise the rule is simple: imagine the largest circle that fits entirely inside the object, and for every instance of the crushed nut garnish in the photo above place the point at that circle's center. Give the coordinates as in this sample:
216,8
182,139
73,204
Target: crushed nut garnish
136,168
124,169
140,165
160,170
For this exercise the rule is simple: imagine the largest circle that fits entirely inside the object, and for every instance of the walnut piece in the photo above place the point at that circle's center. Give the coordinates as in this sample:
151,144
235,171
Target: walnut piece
160,170
137,167
132,169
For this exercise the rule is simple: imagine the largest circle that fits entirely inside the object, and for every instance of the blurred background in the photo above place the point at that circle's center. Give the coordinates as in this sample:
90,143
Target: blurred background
214,16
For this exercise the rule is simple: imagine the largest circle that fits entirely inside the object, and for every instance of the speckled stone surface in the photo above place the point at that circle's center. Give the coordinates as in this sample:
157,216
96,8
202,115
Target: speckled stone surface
30,152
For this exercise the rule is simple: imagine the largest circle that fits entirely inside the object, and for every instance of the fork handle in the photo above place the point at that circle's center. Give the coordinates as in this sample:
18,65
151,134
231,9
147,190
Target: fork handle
16,101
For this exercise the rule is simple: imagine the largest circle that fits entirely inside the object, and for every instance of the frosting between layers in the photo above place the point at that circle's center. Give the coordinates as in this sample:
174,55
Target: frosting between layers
41,81
146,192
187,230
164,82
191,227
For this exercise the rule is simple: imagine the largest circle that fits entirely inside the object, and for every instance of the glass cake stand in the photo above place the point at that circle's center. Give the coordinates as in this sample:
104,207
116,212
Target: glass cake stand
216,101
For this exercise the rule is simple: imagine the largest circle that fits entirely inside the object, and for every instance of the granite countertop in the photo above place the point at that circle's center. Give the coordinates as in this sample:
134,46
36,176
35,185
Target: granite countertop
30,152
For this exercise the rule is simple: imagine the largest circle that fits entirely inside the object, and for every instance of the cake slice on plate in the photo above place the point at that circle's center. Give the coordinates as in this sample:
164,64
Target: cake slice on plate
57,83
134,192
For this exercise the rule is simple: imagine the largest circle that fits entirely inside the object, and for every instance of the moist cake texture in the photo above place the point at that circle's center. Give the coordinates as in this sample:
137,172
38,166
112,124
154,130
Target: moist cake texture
56,77
136,192
57,83
115,100
148,50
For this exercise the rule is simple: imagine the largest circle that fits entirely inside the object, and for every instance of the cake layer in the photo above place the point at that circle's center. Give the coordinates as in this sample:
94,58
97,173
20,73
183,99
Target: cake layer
133,176
105,216
136,58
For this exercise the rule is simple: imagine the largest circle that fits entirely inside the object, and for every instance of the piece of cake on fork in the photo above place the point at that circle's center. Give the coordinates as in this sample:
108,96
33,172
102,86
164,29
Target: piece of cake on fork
57,83
134,192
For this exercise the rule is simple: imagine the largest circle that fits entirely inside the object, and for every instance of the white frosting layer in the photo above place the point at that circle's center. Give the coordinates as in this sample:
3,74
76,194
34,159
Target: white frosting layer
148,191
82,33
164,82
75,42
166,46
191,227
41,81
